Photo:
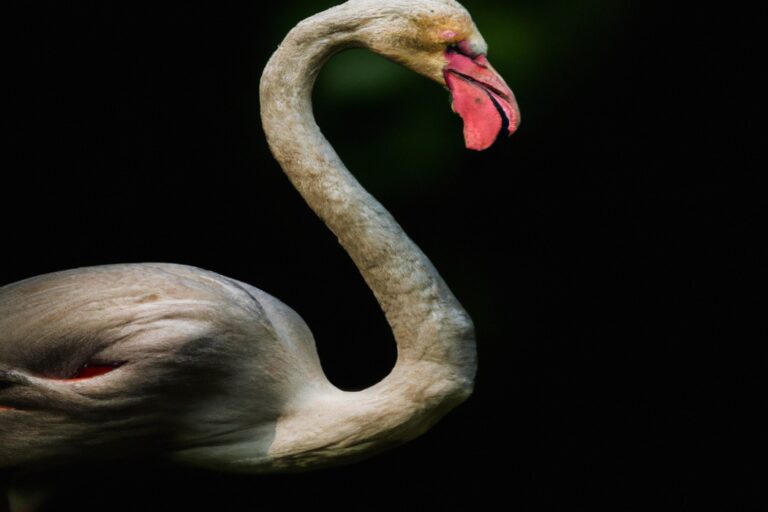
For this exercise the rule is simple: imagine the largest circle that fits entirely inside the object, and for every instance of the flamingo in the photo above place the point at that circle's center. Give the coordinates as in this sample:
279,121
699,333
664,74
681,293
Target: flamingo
119,360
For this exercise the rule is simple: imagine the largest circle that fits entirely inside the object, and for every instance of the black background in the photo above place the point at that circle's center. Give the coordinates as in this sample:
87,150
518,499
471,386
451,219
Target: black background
596,251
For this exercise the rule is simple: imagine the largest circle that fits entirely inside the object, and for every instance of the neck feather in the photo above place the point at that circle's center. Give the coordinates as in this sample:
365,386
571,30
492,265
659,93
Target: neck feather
435,340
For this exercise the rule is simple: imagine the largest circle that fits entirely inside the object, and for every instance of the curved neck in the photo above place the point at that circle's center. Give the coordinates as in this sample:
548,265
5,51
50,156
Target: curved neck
435,340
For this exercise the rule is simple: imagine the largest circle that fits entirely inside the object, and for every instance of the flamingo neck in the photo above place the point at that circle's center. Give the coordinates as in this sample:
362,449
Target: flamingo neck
435,340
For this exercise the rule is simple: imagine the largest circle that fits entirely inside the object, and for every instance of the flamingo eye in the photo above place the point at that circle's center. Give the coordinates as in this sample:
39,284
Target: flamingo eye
89,370
447,35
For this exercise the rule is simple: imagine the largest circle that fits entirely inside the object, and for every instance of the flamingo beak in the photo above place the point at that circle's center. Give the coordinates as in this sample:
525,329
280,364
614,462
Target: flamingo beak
481,97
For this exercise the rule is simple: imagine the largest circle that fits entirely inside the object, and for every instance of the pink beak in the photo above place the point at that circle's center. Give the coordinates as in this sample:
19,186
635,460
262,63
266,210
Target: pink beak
481,97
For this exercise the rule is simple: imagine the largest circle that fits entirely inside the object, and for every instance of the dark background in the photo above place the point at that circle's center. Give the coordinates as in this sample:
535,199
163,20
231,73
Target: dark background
595,250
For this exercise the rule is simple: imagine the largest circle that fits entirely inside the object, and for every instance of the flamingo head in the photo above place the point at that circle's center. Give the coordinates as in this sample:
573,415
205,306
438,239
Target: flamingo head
438,39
